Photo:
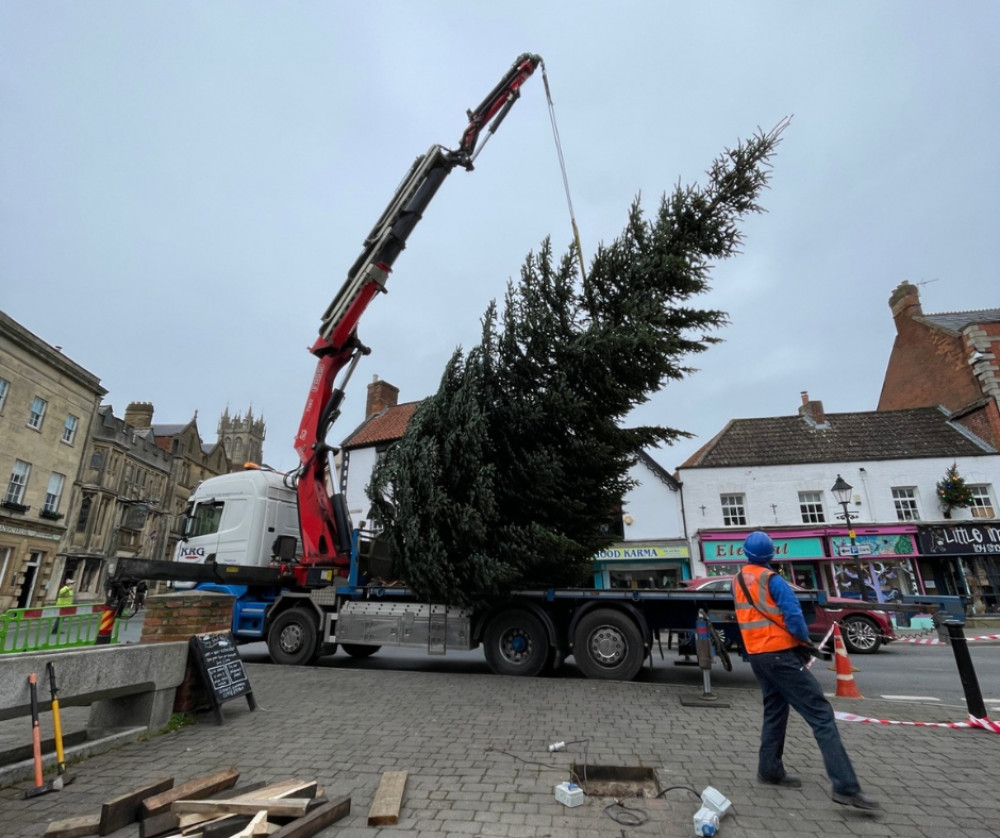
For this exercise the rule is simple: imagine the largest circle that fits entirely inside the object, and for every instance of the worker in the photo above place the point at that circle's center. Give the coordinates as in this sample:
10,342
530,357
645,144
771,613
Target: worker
66,593
64,598
776,639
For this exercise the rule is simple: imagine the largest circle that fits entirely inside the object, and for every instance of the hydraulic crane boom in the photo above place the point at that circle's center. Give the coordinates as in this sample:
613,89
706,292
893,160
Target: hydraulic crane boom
322,512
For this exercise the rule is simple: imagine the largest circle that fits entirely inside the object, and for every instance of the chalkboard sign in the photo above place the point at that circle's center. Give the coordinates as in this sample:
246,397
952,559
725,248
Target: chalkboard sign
221,669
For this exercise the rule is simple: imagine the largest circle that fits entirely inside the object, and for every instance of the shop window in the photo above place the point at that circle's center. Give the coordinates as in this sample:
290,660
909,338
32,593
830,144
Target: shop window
734,511
982,503
905,500
811,507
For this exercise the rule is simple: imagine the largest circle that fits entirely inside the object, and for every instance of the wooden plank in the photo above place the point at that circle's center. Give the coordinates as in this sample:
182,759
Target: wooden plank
157,825
285,788
195,789
316,820
388,799
73,827
285,806
257,826
125,808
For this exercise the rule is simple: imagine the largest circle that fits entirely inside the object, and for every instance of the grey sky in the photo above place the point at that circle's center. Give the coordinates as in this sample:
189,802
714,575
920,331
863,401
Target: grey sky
184,185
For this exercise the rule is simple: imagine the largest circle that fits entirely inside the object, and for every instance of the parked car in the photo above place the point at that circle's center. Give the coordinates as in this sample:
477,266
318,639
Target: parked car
863,630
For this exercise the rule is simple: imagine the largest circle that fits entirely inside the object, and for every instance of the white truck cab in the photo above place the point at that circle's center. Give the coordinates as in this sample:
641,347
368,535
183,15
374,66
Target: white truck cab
236,519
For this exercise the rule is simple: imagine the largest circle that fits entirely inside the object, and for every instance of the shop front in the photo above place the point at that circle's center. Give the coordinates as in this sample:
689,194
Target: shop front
659,564
882,558
962,559
826,559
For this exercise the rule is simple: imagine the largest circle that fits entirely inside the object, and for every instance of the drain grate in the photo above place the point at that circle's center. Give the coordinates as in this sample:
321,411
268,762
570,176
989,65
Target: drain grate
616,780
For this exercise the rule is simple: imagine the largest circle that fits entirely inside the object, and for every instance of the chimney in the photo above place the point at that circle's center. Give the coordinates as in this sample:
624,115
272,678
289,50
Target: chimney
905,301
139,414
381,394
812,411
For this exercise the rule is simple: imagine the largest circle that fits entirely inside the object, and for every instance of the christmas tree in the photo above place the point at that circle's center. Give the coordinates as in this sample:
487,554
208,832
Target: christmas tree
952,491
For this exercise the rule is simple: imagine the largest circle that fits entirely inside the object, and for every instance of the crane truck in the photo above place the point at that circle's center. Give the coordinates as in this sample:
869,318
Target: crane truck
307,583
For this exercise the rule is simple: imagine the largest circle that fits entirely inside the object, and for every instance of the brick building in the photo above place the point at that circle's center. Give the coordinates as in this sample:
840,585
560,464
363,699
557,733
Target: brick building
950,359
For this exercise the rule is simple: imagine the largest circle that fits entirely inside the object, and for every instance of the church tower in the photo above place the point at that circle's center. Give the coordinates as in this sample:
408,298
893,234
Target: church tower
243,438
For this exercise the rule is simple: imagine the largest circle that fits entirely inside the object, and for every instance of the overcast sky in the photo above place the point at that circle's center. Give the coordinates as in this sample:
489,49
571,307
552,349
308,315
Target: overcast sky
184,185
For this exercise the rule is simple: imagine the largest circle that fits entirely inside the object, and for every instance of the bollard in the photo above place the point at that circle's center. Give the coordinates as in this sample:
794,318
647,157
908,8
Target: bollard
966,671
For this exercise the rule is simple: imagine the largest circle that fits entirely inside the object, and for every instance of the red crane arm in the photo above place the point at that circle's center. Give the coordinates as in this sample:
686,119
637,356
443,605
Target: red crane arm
323,516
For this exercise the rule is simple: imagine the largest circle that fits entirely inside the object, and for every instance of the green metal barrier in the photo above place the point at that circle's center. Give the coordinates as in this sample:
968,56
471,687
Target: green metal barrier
51,627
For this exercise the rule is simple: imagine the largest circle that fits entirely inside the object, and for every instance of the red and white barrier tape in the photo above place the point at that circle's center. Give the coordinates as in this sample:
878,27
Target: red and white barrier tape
986,724
936,641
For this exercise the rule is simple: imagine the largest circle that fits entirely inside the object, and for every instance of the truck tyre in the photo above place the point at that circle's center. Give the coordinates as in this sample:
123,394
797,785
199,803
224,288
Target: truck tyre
515,643
861,635
291,640
607,644
356,650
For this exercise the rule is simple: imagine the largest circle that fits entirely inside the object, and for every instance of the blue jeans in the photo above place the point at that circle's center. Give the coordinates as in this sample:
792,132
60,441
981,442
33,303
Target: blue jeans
785,682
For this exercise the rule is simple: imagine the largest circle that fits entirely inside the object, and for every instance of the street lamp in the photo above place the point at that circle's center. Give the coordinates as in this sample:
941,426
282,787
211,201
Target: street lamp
842,493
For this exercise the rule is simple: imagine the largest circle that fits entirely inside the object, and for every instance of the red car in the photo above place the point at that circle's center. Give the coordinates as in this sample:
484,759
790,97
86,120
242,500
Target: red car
863,631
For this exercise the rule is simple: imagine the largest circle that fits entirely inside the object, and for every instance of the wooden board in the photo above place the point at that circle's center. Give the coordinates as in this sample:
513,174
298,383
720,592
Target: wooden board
195,789
316,820
388,799
286,788
73,827
157,825
124,809
293,807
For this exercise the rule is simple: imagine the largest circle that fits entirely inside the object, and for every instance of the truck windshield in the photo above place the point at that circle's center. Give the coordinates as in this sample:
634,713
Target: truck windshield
205,519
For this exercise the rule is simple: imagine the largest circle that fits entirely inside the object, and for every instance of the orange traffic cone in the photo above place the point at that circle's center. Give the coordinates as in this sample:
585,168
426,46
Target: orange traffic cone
846,688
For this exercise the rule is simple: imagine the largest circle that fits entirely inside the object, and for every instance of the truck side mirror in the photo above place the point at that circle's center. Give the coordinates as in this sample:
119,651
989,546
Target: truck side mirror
284,547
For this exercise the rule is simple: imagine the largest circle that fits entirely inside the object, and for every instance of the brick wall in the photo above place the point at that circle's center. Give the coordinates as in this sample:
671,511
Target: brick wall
180,616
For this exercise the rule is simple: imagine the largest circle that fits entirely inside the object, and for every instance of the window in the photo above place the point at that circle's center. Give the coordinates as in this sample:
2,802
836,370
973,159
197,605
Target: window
4,387
207,517
81,522
37,413
982,503
69,429
905,499
17,483
733,512
811,507
54,493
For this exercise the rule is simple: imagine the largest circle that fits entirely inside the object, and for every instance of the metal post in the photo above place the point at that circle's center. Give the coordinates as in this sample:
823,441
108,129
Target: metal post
966,671
858,568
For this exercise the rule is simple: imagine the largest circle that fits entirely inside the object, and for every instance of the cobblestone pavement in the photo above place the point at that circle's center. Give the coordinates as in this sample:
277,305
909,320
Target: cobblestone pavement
475,747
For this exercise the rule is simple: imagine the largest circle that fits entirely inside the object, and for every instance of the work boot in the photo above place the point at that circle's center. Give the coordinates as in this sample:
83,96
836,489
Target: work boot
858,800
789,781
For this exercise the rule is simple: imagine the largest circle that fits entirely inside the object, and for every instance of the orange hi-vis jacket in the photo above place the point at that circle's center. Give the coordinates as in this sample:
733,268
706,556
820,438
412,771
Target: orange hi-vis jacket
761,622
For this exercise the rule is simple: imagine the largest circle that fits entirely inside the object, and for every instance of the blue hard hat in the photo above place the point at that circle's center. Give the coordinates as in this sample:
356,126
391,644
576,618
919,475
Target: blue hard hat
758,548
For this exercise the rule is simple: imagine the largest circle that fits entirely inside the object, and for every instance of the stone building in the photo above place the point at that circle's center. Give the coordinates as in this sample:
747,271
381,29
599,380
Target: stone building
47,406
243,438
118,504
191,461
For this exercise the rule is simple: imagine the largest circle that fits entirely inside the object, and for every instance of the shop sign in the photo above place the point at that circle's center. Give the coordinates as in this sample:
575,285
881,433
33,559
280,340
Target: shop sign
960,539
873,545
784,548
29,533
640,551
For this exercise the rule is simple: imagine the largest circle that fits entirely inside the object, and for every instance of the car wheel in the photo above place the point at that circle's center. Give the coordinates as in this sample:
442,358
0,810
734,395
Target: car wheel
861,635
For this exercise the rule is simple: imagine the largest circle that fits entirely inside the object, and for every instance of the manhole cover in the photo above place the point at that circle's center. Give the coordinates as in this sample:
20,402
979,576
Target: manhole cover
616,780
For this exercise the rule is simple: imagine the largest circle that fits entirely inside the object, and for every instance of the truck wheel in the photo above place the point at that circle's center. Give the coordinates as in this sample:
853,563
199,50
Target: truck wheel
861,636
608,645
291,640
356,650
516,644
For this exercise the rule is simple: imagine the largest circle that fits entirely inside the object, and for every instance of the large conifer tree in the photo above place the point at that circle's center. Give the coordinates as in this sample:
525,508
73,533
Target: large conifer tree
507,476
